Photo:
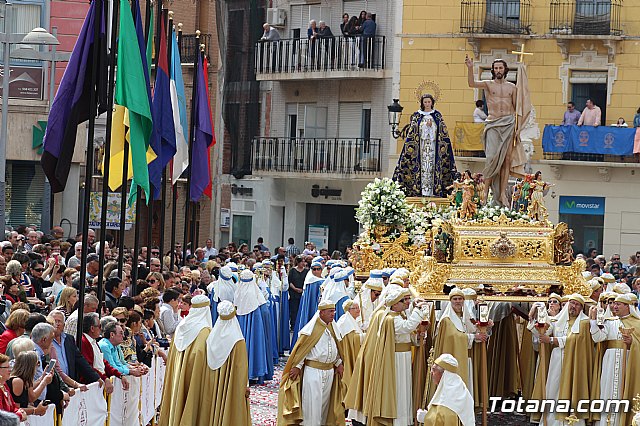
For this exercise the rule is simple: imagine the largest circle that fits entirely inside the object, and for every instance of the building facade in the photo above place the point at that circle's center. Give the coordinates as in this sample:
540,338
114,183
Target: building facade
580,50
315,130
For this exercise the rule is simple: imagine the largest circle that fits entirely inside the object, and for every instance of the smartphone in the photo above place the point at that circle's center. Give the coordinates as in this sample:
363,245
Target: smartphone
50,366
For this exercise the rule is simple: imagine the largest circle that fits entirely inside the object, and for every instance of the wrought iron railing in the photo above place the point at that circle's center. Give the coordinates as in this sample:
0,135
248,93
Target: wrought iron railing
495,16
596,158
585,17
347,156
189,48
327,54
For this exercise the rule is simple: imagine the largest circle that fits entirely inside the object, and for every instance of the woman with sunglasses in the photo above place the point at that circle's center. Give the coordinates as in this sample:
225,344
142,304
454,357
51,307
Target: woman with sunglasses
155,280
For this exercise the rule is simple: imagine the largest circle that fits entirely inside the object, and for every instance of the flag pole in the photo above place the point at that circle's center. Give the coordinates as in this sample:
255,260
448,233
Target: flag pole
150,201
191,136
107,152
174,191
89,163
123,210
163,193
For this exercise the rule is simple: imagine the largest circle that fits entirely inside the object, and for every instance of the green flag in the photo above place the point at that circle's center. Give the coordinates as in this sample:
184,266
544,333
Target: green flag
133,92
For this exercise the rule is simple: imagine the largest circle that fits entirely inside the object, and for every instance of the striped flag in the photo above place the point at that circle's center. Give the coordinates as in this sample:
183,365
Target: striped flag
179,109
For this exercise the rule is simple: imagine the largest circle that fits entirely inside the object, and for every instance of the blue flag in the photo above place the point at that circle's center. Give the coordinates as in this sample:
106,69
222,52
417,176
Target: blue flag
71,105
179,107
163,139
202,138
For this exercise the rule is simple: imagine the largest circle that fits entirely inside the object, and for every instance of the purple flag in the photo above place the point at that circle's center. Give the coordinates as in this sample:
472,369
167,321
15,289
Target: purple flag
203,137
71,105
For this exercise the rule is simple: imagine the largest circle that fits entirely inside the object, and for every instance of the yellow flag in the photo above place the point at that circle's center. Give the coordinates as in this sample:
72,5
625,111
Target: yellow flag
120,136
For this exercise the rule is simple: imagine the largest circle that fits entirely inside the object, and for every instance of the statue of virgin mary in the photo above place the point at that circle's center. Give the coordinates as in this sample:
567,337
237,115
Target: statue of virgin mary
426,166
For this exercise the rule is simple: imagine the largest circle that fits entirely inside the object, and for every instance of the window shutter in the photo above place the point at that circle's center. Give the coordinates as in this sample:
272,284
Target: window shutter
350,120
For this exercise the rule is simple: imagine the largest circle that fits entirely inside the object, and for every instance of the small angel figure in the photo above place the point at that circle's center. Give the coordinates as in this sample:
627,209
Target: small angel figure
537,210
480,187
468,208
455,197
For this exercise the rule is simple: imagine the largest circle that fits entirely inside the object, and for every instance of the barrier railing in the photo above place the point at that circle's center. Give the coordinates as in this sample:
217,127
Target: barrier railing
136,406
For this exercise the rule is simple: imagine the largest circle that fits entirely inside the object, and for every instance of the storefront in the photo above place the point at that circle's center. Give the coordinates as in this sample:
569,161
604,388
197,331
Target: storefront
585,215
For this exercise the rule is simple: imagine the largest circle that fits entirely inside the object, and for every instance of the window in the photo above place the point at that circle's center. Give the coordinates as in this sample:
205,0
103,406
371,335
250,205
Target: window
592,17
24,17
25,191
241,232
503,17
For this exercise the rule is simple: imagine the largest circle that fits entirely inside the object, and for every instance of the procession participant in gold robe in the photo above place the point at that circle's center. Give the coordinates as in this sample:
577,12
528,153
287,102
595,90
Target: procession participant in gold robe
227,377
311,389
503,352
452,404
365,369
455,335
182,396
570,367
369,297
389,400
352,337
597,288
532,388
618,381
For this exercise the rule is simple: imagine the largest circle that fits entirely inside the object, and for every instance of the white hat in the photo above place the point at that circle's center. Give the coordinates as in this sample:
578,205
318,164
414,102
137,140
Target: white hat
225,334
199,317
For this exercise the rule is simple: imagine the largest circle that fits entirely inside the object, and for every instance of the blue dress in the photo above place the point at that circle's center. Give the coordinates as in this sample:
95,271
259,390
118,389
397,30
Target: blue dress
308,307
283,341
214,307
272,312
339,310
255,332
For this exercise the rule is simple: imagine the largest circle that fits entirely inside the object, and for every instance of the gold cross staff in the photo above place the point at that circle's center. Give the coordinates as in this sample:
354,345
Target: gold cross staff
521,53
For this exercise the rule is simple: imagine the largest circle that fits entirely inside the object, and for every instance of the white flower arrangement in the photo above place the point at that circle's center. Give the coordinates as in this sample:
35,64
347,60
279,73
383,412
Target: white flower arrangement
421,220
494,212
382,203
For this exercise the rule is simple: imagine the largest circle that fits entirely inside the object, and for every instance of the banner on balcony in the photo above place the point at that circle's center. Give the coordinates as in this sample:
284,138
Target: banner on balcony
468,136
588,139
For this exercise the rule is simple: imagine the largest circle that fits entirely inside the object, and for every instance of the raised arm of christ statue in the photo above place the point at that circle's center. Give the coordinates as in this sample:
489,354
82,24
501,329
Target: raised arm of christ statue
500,129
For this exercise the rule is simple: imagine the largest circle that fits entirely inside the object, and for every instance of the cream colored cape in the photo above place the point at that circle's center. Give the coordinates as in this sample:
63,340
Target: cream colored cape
290,393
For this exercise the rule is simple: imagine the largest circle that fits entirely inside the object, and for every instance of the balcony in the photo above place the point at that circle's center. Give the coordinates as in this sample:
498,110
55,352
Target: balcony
495,17
585,17
328,158
189,48
331,58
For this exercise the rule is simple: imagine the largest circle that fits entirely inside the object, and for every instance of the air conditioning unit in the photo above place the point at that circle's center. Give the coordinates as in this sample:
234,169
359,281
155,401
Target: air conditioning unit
276,17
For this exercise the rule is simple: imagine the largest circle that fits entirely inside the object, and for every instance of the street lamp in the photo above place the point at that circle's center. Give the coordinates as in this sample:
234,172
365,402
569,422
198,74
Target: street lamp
37,36
395,113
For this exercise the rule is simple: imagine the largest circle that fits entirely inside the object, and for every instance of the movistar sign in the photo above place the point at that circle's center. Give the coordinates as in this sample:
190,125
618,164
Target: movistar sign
582,205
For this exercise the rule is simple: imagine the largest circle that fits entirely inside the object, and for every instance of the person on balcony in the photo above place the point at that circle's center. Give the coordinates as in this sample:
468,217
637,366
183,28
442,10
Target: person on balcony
426,166
571,115
328,40
479,116
368,31
270,33
591,115
273,36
